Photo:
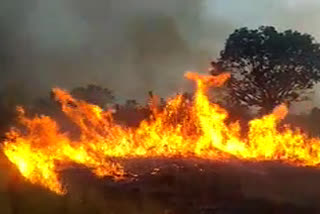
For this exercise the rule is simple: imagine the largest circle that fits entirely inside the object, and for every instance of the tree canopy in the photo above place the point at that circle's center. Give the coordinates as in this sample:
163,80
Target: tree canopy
270,67
94,94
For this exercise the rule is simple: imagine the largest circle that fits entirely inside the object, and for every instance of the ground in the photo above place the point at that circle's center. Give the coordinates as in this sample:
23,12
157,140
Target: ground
171,186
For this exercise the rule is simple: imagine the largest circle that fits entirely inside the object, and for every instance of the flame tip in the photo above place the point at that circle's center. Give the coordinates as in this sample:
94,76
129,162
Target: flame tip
182,129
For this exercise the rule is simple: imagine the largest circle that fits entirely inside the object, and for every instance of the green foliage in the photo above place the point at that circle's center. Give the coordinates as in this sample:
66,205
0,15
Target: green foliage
270,67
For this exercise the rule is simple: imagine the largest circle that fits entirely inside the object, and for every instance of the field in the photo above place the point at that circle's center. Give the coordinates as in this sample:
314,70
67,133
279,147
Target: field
173,186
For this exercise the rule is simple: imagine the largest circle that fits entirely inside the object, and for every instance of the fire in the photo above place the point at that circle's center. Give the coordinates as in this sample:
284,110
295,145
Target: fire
182,129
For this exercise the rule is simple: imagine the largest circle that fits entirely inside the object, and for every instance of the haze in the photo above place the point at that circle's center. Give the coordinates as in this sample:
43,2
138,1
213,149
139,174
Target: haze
129,46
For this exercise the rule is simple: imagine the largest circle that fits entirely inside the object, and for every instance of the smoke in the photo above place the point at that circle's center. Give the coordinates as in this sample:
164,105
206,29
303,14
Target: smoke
128,46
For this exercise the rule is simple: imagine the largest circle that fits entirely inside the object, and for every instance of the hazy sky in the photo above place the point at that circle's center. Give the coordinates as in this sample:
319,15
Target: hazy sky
70,43
301,15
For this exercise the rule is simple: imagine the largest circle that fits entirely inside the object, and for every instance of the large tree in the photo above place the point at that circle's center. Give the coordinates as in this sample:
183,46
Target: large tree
270,67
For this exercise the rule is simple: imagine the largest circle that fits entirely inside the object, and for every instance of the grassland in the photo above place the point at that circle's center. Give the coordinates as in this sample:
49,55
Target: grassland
177,186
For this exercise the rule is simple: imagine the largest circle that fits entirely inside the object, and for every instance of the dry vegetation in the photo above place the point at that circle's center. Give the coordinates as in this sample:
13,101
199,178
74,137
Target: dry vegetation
175,186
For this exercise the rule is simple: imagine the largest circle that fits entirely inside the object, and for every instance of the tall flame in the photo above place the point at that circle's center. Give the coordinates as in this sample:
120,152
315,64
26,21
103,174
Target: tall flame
181,129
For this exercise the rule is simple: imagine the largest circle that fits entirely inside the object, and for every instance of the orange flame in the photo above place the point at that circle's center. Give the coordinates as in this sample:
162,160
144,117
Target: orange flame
181,129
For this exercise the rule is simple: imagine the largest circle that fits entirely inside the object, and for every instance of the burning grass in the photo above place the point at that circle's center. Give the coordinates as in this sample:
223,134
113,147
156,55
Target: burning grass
165,185
182,129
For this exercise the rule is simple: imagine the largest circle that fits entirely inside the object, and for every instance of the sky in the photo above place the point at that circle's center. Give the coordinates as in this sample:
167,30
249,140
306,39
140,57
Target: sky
301,15
130,46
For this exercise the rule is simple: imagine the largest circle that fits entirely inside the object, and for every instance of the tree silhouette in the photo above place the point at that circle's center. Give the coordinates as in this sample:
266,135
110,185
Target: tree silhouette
94,94
270,67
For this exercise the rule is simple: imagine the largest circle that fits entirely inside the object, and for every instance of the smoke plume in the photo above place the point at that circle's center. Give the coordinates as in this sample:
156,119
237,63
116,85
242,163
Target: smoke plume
128,46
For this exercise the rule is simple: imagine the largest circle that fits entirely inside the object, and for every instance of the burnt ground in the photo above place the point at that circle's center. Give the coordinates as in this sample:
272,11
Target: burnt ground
174,186
199,186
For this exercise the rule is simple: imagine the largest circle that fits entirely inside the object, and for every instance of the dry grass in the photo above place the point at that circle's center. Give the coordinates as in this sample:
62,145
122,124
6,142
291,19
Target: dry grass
180,186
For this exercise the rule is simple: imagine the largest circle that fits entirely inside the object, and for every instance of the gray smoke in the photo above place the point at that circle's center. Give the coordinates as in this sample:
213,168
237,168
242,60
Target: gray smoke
128,46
